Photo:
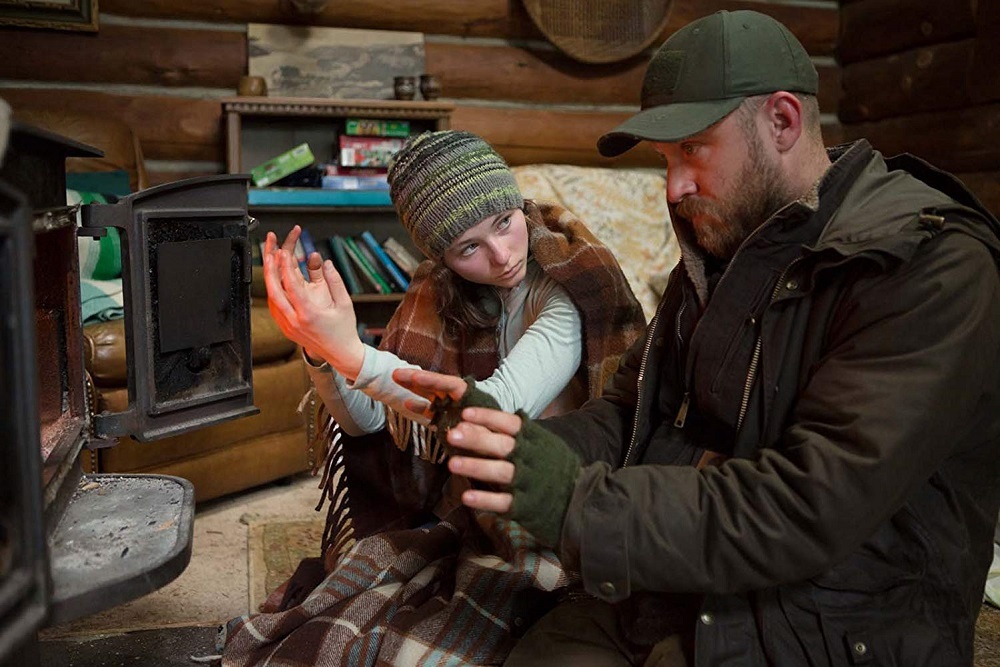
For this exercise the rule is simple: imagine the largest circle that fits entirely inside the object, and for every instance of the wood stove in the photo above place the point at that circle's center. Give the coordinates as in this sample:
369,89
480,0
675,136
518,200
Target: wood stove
73,544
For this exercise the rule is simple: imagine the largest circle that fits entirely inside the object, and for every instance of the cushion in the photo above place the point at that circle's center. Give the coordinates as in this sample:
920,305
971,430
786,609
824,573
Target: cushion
625,208
104,346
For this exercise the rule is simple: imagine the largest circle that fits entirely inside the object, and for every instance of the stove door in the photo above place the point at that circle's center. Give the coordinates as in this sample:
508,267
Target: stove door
24,583
186,271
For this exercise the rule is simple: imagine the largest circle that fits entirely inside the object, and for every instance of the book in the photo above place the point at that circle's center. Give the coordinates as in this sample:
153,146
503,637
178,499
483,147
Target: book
364,276
384,259
375,264
256,252
300,257
367,151
377,128
282,165
380,182
354,252
308,248
343,264
399,254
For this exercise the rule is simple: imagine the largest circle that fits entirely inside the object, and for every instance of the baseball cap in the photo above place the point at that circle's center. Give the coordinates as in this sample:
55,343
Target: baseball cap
705,70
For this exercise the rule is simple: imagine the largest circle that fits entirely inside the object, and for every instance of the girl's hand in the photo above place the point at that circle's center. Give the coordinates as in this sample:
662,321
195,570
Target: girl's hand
318,314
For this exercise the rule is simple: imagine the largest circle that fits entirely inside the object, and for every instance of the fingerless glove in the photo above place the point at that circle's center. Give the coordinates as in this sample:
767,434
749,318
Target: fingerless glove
545,468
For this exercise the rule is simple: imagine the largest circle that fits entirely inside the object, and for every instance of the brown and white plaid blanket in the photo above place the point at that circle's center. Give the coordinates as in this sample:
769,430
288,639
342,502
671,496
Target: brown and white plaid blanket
443,595
452,593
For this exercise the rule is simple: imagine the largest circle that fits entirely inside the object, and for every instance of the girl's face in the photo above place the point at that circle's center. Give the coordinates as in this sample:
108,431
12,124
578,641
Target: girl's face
493,252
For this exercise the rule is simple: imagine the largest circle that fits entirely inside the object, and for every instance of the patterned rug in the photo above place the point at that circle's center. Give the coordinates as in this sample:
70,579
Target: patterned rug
988,637
274,550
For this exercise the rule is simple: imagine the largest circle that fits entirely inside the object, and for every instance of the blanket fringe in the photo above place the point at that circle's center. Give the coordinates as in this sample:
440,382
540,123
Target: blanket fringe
407,433
338,531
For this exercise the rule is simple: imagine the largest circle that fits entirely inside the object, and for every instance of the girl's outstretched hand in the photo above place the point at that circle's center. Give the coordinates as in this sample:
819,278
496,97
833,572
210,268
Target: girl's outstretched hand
317,313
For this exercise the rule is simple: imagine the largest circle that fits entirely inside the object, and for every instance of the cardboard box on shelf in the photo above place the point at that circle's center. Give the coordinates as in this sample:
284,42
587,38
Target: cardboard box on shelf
282,165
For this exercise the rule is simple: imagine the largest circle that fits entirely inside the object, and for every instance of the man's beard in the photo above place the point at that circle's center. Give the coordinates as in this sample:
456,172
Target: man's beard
759,191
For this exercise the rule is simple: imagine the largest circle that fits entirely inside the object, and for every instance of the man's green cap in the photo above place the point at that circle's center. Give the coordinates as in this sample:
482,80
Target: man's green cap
705,70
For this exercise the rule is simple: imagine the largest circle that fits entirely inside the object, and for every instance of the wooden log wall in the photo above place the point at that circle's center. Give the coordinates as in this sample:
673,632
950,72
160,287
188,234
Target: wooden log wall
162,65
923,76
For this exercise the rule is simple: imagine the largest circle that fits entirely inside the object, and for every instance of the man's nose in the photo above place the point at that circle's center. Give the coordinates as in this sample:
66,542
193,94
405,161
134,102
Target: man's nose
679,184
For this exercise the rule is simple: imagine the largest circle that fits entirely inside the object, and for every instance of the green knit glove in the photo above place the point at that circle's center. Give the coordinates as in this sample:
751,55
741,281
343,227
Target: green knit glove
448,412
545,472
545,469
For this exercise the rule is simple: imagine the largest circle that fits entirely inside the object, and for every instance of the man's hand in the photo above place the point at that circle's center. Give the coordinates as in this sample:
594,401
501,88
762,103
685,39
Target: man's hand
318,314
532,470
488,437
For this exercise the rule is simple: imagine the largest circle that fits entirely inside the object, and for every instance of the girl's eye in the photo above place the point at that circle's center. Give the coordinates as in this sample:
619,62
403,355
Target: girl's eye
503,223
468,250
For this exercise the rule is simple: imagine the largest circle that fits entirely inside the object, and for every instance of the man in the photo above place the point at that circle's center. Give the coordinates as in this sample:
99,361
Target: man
799,465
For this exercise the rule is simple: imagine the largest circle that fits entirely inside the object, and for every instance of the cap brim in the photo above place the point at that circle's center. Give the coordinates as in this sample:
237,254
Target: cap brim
670,122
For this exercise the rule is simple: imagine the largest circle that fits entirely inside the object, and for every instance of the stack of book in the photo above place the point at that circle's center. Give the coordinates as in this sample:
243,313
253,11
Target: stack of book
366,266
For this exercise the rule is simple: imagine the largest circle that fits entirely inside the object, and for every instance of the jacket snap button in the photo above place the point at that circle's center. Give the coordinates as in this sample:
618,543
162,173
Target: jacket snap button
860,648
792,285
707,618
607,588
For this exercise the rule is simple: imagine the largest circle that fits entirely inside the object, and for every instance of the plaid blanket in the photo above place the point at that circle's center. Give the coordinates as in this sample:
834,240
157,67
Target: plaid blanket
444,595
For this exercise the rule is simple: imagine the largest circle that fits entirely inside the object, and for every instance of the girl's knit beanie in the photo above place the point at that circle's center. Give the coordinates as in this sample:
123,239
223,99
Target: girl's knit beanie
443,183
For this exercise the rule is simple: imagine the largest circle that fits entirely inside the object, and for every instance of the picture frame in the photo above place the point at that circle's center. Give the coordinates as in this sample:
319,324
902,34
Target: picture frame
52,14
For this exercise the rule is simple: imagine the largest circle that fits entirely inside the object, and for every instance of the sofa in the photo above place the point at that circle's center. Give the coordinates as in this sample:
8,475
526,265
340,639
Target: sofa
220,459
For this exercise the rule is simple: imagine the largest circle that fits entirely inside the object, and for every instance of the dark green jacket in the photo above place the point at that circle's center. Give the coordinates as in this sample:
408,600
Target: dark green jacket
847,362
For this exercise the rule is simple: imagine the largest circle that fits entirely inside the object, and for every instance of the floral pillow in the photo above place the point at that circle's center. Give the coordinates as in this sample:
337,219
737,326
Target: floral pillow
625,208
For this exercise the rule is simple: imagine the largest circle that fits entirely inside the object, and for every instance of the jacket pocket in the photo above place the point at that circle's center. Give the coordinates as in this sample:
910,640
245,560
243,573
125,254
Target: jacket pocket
889,634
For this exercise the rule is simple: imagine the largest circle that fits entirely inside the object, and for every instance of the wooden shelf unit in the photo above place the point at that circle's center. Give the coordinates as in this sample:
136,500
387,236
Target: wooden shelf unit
250,116
258,128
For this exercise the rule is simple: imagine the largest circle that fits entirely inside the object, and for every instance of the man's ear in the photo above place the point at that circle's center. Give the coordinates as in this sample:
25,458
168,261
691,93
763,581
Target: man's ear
784,119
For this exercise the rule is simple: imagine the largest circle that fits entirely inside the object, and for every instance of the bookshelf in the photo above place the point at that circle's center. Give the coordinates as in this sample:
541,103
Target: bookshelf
258,128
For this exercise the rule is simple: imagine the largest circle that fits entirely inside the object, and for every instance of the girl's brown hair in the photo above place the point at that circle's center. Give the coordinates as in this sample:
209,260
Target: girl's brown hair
464,305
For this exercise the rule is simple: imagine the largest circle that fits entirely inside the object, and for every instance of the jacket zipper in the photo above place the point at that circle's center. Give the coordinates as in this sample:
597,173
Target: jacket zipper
755,359
639,382
686,401
682,412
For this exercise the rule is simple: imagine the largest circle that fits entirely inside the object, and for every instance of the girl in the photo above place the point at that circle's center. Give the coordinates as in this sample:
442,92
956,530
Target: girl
516,296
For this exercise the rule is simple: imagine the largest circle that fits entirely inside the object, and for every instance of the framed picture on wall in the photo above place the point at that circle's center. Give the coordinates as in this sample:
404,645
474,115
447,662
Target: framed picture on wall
54,14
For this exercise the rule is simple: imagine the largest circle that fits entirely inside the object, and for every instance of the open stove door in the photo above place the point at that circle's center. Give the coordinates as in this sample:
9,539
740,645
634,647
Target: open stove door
186,273
24,580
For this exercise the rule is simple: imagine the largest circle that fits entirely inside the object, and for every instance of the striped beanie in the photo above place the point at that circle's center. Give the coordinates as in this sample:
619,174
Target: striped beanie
444,183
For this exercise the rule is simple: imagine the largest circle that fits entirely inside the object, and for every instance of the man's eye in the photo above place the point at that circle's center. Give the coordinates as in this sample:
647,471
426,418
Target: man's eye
689,149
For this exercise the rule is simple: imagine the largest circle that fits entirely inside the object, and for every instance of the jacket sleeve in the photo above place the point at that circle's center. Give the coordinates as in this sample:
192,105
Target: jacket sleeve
910,357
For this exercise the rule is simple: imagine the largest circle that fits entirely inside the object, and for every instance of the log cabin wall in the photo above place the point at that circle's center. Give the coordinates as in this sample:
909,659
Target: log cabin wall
162,65
923,76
